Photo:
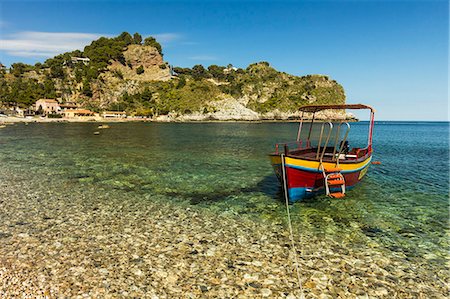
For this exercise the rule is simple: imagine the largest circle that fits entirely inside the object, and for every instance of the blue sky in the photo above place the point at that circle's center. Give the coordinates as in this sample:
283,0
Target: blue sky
392,55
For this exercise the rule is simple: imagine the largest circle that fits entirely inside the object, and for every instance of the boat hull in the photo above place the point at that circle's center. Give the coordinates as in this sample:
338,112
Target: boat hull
305,178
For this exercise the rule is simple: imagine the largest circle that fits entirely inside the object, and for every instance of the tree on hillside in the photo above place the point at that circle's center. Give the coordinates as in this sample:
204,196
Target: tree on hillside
151,41
137,38
37,66
126,38
61,59
199,72
216,71
56,71
49,90
17,69
182,71
4,91
87,91
103,50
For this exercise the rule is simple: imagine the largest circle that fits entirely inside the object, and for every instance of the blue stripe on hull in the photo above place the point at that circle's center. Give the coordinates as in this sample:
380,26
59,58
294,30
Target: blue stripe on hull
299,193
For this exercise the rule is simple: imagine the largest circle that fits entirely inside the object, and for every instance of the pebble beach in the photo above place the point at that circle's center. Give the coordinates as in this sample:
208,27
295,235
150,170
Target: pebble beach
113,246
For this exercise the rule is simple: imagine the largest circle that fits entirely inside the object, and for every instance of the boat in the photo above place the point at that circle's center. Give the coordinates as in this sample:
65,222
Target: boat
320,160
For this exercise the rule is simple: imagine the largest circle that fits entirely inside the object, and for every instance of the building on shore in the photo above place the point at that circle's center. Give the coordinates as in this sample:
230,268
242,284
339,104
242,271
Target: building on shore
47,106
12,109
68,105
71,113
114,114
19,112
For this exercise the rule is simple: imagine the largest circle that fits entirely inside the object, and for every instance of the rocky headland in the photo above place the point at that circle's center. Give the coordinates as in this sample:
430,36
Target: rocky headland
127,74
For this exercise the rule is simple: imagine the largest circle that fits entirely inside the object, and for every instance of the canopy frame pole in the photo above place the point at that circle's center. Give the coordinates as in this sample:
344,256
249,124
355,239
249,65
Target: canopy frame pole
310,128
320,141
300,127
372,123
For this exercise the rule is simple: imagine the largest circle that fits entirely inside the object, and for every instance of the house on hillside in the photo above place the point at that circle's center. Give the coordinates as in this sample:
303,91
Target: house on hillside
47,106
229,69
114,114
70,113
68,105
76,60
84,60
172,71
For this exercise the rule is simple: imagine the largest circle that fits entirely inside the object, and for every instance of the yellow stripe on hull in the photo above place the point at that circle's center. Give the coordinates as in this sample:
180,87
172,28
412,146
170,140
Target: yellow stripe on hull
315,165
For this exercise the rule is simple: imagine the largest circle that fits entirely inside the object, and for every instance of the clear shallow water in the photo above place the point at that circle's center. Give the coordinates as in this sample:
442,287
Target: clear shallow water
401,207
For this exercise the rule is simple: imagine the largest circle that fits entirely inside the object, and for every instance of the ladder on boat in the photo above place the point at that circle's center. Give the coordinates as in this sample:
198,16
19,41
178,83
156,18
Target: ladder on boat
334,179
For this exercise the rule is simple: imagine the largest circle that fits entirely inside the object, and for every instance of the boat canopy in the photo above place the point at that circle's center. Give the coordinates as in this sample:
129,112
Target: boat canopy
316,108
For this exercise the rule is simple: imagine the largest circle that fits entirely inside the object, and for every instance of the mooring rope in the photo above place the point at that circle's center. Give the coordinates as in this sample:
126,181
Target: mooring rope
291,234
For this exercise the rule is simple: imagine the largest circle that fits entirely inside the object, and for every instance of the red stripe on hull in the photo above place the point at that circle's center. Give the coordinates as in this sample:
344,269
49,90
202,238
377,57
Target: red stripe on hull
303,178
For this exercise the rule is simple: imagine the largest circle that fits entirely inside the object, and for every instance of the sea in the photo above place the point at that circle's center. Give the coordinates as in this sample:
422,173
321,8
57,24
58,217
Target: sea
401,206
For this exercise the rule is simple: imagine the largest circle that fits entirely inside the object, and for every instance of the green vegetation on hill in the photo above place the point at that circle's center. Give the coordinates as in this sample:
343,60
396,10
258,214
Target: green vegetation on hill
173,96
102,82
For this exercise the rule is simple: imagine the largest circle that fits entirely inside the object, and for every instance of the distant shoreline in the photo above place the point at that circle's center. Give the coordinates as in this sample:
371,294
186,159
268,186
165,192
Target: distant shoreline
12,120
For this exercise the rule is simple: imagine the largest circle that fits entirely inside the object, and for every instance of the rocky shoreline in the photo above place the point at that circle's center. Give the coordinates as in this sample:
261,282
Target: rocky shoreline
173,117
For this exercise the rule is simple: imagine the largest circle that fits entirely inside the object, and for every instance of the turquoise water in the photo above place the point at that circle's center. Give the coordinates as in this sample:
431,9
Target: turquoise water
401,207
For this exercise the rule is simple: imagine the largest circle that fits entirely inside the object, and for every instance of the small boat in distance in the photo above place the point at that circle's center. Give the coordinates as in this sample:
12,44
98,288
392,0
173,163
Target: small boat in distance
320,160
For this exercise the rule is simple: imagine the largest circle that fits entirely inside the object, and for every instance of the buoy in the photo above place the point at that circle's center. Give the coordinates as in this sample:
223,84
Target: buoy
376,162
96,133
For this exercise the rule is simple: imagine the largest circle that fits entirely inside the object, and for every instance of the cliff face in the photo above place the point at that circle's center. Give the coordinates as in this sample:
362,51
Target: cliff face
153,66
121,79
268,94
122,75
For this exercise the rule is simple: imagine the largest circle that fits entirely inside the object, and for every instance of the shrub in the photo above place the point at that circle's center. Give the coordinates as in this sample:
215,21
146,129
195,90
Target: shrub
137,38
54,115
181,82
140,70
118,74
151,41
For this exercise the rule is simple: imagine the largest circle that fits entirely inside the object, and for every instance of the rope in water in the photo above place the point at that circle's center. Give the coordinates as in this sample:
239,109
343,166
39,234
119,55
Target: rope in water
297,267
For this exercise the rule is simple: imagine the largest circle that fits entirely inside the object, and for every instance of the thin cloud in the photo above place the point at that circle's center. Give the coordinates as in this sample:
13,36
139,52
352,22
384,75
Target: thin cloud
33,54
203,57
167,37
45,44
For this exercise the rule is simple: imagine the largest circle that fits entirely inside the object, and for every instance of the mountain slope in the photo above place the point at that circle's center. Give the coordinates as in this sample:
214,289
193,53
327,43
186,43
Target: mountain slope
122,73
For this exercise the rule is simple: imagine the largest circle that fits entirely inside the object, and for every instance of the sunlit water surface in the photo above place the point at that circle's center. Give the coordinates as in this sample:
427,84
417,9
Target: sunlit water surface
401,205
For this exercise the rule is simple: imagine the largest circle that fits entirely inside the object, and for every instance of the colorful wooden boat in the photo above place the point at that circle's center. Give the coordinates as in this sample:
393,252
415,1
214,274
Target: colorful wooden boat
322,162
